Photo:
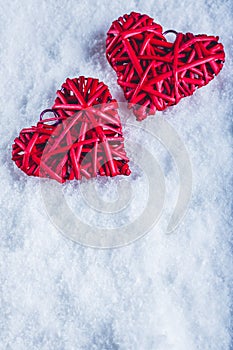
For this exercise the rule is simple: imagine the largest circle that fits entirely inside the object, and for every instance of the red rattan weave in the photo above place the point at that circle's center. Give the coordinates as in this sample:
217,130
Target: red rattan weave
85,138
155,73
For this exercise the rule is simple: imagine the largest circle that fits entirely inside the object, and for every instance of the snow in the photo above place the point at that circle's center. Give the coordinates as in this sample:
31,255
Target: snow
161,292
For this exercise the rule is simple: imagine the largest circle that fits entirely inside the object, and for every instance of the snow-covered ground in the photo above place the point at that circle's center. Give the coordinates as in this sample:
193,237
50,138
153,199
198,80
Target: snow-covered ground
163,292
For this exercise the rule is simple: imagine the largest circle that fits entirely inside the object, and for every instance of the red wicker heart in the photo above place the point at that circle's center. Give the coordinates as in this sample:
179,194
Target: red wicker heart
155,73
84,139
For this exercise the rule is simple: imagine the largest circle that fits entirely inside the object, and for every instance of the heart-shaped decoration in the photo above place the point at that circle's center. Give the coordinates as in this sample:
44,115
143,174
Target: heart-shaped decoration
155,73
83,139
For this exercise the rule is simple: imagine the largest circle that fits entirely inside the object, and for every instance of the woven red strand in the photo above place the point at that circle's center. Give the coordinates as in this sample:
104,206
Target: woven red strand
84,138
155,73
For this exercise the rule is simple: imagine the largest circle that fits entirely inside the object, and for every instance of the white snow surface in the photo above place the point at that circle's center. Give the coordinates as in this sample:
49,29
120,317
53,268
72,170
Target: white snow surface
163,292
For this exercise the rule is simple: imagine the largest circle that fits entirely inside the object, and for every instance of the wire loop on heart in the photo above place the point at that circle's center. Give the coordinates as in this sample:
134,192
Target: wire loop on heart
48,111
170,31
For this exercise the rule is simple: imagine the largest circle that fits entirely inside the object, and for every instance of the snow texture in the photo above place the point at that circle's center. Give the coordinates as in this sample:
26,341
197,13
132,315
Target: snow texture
163,292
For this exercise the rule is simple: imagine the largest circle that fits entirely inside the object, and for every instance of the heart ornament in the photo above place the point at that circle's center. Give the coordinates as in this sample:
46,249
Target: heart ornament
155,73
84,138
